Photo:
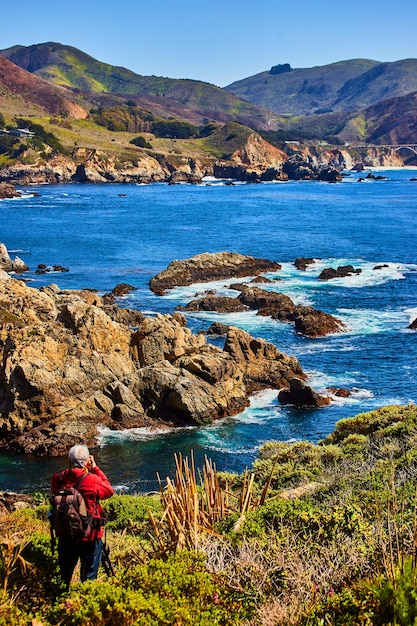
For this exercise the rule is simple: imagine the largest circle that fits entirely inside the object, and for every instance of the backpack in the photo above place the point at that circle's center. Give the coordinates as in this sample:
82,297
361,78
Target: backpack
68,515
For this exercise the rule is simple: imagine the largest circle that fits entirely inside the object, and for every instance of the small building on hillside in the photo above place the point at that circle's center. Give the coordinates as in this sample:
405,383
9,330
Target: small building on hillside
21,132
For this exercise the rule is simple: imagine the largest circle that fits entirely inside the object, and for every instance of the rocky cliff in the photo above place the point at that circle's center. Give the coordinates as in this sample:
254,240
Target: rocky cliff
256,160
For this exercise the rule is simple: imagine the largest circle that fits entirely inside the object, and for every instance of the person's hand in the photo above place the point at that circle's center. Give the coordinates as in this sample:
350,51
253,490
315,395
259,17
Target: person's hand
91,462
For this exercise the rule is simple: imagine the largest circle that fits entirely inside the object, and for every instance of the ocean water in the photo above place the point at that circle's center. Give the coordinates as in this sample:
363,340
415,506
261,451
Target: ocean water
105,238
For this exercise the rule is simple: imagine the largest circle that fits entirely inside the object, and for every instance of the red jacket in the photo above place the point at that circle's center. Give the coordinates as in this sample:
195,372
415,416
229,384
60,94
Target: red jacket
94,487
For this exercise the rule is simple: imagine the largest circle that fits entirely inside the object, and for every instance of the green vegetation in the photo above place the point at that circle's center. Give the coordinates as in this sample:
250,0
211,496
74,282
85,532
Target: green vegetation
312,535
140,142
174,129
131,118
6,144
226,139
128,118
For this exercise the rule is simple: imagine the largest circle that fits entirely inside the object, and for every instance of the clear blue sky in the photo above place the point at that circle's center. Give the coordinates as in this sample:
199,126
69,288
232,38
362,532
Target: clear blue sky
218,42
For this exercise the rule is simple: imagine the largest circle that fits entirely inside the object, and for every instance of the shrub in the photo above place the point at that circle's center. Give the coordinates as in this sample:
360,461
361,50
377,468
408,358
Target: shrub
294,463
6,143
281,68
378,602
140,142
10,615
174,129
130,513
178,591
128,118
348,607
208,129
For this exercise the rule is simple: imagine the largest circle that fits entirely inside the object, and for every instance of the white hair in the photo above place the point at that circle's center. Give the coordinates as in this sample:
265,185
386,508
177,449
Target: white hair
78,456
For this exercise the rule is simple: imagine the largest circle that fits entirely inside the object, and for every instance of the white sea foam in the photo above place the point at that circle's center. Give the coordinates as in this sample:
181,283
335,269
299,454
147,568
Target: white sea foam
212,179
321,381
412,313
263,398
369,322
24,196
357,396
248,320
121,488
334,343
232,450
107,435
368,276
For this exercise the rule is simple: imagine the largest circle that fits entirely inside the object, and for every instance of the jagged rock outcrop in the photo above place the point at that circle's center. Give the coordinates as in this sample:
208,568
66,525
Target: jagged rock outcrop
70,362
218,329
96,166
341,272
221,304
300,395
307,320
329,174
303,262
9,265
373,156
10,501
8,191
257,160
305,166
298,168
261,361
122,289
314,323
207,267
269,303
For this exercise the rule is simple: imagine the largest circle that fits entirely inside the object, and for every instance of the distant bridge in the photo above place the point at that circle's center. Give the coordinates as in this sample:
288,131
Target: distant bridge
394,147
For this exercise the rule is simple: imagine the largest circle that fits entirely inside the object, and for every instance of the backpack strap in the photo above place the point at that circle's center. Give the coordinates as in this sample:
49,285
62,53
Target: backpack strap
78,482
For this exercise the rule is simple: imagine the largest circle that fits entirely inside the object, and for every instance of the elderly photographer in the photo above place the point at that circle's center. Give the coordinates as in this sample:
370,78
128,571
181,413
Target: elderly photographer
95,486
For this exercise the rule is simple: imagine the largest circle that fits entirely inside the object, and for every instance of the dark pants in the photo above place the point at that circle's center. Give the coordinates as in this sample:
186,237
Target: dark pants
89,553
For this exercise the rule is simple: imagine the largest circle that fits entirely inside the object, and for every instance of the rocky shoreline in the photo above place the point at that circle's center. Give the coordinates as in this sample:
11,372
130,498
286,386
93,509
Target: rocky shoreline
256,161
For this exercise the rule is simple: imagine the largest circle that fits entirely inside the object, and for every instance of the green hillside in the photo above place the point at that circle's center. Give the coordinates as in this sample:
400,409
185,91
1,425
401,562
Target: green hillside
342,86
69,67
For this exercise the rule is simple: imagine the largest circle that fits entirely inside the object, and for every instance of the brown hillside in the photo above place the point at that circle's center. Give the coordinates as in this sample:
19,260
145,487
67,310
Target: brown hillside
19,83
393,121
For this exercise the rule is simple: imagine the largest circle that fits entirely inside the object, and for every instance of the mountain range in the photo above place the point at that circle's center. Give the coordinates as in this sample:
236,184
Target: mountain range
358,100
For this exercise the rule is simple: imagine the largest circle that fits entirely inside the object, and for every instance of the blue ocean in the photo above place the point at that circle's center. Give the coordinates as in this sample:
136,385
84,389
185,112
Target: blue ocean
108,234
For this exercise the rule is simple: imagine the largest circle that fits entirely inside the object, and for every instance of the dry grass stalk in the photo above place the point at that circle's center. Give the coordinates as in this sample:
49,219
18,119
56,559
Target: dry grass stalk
192,508
14,566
